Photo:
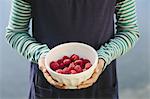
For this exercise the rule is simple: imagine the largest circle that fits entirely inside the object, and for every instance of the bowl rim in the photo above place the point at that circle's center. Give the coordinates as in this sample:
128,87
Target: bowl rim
71,43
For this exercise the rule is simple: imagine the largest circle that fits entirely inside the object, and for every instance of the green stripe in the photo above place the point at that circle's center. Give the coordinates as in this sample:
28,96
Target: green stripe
128,4
14,19
22,4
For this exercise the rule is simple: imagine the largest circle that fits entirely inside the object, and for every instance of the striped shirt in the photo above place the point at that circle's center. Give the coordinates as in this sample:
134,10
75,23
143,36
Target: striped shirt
17,32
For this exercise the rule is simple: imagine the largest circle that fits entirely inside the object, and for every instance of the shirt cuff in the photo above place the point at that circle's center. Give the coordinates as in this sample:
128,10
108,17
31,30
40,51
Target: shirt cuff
42,53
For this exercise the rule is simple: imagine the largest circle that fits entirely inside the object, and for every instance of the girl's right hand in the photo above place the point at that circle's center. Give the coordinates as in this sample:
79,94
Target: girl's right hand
41,63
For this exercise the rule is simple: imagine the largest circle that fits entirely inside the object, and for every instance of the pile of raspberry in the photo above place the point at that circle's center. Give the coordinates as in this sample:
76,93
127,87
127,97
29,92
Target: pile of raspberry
70,65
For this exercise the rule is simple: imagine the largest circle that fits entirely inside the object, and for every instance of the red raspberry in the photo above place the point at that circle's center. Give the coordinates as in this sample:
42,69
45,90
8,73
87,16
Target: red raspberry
65,57
61,65
79,62
54,65
84,69
67,62
78,69
85,61
74,57
59,71
59,61
71,66
66,70
73,72
88,65
81,59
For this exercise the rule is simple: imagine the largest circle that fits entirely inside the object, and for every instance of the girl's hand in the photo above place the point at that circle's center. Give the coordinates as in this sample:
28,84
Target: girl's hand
41,63
94,77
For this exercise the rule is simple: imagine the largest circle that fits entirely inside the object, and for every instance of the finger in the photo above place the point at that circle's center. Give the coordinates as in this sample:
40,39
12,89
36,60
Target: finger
84,86
58,84
42,67
50,79
62,87
95,75
41,64
68,87
100,65
98,68
47,76
93,78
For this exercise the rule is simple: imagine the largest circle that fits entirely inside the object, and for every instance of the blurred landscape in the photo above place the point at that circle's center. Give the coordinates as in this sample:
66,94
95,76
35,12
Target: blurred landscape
133,68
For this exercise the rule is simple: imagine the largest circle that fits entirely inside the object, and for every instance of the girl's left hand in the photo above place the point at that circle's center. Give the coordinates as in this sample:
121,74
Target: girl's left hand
94,77
41,63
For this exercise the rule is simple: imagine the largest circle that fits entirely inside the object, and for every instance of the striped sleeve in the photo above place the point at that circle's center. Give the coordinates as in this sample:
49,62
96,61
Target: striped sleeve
126,35
17,33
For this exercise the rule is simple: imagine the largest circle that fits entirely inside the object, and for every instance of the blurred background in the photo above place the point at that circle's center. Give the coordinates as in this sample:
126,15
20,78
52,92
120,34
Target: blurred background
133,68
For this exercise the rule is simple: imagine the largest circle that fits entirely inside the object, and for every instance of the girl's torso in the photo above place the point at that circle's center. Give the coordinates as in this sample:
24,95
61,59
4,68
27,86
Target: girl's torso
87,21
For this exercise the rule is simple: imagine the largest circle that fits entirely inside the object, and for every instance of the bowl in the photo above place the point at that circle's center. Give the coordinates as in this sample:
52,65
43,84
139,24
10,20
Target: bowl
81,49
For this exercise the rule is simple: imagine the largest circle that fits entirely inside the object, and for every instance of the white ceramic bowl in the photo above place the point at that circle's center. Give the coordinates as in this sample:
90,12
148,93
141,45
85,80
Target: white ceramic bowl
81,49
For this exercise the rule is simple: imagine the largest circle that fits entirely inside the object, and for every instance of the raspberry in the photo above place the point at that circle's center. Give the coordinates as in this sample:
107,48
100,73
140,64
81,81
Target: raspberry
54,65
71,66
79,62
59,71
88,65
74,57
66,70
73,72
59,61
78,69
85,61
67,62
61,65
81,59
65,57
84,69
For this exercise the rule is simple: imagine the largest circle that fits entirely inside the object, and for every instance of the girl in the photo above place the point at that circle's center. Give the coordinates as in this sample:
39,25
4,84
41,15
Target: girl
59,21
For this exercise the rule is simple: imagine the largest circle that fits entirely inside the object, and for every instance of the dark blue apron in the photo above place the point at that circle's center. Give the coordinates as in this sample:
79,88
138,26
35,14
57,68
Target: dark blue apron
59,21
